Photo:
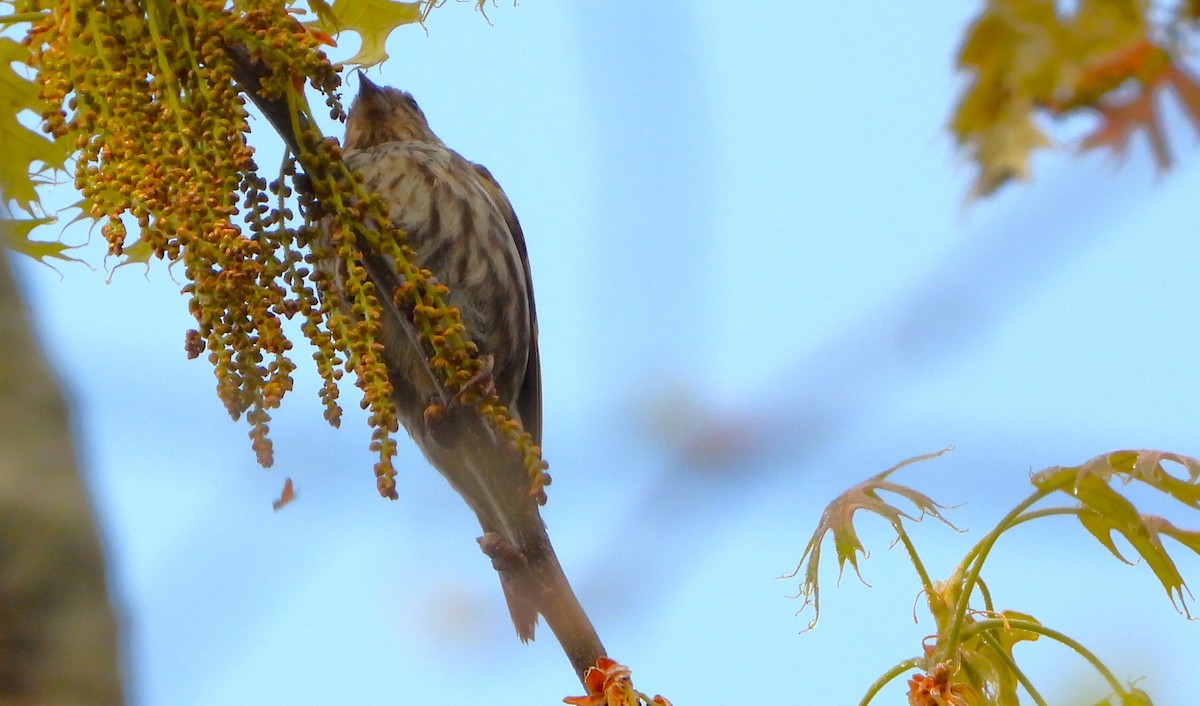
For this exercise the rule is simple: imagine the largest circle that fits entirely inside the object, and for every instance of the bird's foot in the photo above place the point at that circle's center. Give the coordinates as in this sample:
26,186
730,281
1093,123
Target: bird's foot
504,555
520,588
481,383
443,420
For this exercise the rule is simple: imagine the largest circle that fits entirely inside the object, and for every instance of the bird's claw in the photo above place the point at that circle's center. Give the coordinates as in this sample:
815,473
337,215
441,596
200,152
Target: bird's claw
504,555
440,417
481,382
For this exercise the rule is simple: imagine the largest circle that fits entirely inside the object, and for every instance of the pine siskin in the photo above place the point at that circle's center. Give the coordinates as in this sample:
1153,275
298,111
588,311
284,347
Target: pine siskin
463,229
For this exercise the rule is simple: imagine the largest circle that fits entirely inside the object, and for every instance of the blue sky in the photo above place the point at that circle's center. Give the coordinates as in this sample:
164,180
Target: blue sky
757,284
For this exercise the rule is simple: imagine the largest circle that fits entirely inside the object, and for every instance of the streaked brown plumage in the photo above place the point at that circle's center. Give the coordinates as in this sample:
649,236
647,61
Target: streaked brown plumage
464,230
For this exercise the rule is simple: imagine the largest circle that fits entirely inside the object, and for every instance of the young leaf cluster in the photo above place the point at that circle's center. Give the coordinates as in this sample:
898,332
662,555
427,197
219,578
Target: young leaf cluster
1031,60
969,659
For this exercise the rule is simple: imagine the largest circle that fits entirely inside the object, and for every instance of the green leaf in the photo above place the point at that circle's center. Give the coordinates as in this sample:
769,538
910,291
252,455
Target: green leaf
1134,696
988,665
1031,59
1003,149
1104,511
1104,26
1010,636
137,254
1147,467
1160,525
16,232
1141,465
22,147
373,20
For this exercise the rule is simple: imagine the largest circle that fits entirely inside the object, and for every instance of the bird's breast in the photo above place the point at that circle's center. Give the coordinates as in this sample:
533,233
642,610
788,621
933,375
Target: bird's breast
459,233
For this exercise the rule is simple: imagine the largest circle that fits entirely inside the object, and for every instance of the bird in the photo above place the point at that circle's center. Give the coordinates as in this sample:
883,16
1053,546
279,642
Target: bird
463,228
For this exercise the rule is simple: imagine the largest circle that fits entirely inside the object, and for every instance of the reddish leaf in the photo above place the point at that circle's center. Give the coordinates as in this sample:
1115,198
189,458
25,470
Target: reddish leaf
609,684
285,497
838,518
1119,120
1187,92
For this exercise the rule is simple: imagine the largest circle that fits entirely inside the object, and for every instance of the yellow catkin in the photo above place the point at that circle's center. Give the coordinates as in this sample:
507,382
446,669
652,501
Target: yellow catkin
144,90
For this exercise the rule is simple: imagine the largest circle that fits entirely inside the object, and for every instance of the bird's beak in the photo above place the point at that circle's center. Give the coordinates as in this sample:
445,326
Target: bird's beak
367,87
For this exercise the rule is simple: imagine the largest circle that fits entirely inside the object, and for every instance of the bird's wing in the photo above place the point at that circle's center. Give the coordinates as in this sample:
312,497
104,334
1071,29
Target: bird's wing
529,402
402,342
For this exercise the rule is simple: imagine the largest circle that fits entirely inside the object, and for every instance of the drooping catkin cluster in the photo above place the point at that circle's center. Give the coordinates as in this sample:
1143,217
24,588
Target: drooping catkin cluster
349,209
144,91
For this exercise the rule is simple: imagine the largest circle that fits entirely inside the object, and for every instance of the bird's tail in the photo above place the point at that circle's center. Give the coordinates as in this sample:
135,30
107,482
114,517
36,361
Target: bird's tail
495,486
534,583
523,611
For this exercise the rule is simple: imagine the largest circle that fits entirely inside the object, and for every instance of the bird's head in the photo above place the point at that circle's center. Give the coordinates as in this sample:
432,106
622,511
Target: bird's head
382,114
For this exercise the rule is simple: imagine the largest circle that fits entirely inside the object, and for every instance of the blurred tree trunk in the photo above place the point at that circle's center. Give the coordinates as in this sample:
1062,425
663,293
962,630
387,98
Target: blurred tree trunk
59,640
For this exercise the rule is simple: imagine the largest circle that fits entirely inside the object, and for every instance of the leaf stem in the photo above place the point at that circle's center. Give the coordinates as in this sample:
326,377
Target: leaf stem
889,675
169,81
1055,635
19,17
975,559
1044,512
904,539
990,641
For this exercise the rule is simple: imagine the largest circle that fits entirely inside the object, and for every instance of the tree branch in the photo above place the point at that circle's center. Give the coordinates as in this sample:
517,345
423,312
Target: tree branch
249,73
